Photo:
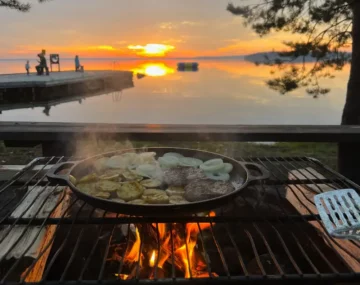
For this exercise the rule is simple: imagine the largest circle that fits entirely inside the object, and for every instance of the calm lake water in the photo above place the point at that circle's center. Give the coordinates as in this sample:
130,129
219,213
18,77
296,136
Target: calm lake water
221,92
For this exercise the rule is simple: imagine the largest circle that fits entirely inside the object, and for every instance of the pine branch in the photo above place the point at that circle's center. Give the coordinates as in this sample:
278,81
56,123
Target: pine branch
17,5
323,27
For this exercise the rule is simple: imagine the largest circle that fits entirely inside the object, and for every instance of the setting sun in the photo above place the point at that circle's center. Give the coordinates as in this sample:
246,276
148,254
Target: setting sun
151,49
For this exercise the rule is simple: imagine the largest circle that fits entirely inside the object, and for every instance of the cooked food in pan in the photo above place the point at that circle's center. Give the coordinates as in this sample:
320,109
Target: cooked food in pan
144,178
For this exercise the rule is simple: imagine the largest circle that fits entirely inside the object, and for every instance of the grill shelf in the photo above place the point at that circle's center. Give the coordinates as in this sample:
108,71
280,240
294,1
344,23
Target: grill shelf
271,233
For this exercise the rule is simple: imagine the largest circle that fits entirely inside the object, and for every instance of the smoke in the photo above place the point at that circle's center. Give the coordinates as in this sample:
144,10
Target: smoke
93,146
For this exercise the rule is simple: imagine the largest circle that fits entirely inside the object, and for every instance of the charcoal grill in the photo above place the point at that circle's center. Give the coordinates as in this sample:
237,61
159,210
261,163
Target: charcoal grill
270,234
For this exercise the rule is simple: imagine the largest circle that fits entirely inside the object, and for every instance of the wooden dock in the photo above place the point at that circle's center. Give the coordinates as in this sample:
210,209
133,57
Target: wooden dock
21,80
22,88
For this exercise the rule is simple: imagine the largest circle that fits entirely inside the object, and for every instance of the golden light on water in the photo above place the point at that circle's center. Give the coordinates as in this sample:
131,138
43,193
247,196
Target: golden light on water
151,50
153,69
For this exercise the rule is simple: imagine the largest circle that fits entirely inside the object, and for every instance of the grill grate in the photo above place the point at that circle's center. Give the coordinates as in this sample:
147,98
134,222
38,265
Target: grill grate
271,232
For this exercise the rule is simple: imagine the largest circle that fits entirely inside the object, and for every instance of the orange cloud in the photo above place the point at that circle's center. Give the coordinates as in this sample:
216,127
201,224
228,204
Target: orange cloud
151,49
103,47
65,51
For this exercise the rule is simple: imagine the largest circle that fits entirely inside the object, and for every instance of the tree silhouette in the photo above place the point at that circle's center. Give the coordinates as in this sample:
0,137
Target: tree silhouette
17,5
324,29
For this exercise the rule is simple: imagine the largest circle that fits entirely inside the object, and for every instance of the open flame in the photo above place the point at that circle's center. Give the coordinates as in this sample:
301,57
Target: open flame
183,242
133,255
152,259
184,257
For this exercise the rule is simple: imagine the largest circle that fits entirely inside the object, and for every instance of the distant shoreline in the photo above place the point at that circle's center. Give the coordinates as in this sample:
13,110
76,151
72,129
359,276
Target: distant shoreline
143,58
254,58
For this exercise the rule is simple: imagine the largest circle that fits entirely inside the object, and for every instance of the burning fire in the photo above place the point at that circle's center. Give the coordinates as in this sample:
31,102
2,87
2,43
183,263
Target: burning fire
182,252
152,259
133,255
183,242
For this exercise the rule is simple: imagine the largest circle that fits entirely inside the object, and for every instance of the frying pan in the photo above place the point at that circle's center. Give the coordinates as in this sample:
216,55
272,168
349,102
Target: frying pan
240,177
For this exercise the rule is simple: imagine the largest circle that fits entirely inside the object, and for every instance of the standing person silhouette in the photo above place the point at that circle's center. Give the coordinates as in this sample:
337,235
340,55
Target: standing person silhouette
42,64
78,66
27,67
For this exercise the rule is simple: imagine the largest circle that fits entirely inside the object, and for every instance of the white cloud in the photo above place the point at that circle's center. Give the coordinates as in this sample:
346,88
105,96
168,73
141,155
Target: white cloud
177,25
190,23
167,26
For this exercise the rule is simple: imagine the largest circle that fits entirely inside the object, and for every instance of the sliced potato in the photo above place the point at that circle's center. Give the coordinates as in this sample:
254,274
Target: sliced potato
149,192
88,178
177,200
111,177
130,191
155,196
104,195
137,202
88,188
175,191
156,199
131,176
107,186
151,183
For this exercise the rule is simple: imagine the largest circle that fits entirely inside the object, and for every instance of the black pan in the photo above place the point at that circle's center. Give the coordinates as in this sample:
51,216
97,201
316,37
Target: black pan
240,175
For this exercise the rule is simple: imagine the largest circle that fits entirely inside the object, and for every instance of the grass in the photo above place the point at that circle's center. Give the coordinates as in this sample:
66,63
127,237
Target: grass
325,152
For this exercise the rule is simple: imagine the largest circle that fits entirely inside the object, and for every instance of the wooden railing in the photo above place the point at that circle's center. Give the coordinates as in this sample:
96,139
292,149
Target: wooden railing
60,138
66,132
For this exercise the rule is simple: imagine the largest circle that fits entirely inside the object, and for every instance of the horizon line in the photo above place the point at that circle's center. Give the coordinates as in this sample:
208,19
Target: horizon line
140,58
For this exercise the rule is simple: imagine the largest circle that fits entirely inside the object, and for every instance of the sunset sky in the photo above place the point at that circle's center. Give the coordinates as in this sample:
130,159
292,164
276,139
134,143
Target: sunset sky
124,28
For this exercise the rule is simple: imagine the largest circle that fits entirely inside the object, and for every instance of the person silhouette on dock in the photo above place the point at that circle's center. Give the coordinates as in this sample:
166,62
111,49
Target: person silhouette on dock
27,67
78,66
42,64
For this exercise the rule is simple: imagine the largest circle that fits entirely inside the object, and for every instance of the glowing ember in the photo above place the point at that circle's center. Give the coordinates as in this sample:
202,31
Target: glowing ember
122,276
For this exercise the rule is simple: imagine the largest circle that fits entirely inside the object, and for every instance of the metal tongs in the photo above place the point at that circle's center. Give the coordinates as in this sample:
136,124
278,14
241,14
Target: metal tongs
340,213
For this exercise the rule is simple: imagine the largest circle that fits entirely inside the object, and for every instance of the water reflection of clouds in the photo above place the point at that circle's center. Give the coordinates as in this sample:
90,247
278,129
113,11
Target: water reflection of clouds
220,93
255,99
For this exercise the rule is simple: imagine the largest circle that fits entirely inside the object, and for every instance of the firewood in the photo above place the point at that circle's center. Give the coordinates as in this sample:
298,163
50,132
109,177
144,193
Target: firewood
36,273
34,238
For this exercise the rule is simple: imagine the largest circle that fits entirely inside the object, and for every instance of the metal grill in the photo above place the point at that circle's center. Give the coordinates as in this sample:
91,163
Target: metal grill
271,233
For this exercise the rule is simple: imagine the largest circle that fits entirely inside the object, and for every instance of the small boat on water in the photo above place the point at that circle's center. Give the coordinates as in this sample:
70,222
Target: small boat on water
188,66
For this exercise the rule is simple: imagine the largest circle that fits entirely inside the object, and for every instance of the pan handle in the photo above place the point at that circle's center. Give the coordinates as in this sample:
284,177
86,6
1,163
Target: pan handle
61,179
265,174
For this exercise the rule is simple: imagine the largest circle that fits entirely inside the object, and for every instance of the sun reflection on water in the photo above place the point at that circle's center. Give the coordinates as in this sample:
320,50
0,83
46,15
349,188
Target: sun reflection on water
153,69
